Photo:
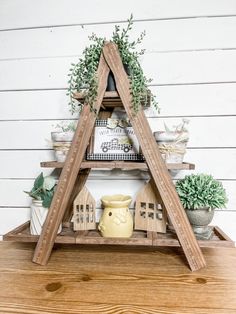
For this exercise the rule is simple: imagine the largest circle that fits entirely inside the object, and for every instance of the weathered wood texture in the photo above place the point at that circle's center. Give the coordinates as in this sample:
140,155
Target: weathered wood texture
70,171
110,60
154,160
149,238
117,164
149,212
78,186
84,208
114,280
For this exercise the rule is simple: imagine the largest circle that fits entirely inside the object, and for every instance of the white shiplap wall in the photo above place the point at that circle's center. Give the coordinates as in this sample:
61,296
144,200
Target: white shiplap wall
191,56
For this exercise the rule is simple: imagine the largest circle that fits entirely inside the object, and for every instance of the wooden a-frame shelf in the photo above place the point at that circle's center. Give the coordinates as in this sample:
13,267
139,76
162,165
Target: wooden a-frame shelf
117,164
67,235
75,172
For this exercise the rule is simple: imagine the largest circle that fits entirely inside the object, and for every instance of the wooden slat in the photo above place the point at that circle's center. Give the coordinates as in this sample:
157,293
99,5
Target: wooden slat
222,235
109,95
110,99
117,164
155,162
219,99
79,184
103,13
17,230
51,73
94,237
169,239
196,34
70,171
36,134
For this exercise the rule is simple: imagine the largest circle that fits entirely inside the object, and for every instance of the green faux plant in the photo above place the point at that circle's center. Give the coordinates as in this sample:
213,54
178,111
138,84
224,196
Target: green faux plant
66,126
82,75
43,189
201,190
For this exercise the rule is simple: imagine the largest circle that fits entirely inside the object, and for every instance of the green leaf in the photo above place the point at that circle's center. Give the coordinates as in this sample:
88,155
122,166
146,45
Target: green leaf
49,183
38,183
47,200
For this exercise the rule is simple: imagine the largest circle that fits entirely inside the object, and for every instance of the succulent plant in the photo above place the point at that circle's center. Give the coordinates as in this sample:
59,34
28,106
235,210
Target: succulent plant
201,190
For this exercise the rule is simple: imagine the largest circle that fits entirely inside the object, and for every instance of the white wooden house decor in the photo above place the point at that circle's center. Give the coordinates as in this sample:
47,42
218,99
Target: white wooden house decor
149,213
84,210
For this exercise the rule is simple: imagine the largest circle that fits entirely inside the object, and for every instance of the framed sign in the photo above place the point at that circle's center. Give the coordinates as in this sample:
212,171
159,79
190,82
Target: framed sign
113,139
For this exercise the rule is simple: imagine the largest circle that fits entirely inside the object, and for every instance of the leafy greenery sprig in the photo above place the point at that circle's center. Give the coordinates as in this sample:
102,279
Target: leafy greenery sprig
43,189
201,190
82,76
66,126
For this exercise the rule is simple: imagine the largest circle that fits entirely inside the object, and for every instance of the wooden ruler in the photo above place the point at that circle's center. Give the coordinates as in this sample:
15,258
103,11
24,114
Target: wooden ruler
155,162
70,171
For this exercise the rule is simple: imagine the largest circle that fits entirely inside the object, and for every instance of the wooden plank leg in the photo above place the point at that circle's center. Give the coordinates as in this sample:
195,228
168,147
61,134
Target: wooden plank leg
79,184
155,162
70,170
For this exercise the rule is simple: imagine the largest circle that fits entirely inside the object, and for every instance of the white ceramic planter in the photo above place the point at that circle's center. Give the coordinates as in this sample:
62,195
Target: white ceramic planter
62,136
116,220
61,150
37,217
171,146
60,155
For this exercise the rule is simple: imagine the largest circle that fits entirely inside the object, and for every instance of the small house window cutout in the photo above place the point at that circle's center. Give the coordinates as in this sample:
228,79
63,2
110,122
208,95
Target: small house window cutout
84,211
149,214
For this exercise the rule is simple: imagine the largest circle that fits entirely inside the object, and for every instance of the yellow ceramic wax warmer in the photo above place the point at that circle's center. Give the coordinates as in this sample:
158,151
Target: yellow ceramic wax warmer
116,220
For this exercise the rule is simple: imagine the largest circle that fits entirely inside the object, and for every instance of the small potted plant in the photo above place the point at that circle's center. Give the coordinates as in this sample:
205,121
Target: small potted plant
64,132
172,142
83,78
41,194
62,139
200,195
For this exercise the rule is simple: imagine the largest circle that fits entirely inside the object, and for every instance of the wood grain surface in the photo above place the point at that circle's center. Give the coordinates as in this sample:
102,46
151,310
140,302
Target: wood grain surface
154,161
70,170
108,279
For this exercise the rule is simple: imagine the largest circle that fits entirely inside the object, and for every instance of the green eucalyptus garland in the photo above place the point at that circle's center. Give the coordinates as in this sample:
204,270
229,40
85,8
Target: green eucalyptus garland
82,76
201,190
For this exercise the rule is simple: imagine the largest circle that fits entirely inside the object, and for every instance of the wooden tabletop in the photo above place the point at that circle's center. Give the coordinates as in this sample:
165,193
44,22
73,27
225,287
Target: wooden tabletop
109,279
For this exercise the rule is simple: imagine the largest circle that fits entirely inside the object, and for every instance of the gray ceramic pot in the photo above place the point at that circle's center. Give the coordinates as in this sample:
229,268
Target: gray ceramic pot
200,219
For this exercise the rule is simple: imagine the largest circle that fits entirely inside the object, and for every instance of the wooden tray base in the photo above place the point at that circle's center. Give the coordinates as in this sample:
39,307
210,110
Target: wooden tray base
22,234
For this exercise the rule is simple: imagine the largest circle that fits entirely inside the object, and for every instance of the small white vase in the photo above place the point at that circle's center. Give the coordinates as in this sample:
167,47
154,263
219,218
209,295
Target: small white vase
62,136
172,145
61,150
37,217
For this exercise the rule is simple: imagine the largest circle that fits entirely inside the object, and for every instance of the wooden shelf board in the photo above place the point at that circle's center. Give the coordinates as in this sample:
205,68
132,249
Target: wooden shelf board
110,99
22,234
117,164
107,95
